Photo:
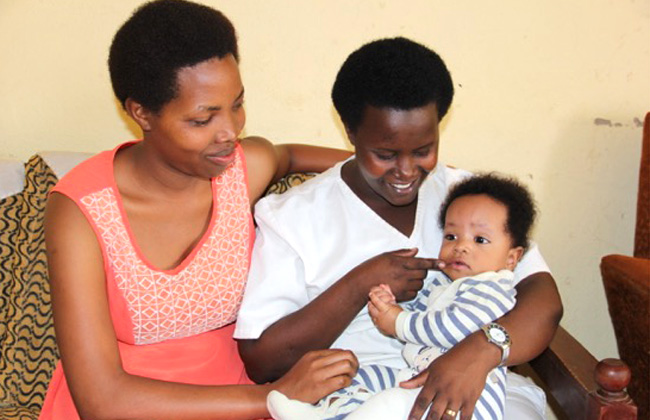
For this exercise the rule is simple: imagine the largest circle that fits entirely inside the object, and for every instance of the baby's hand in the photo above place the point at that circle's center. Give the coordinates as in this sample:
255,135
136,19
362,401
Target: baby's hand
384,293
383,309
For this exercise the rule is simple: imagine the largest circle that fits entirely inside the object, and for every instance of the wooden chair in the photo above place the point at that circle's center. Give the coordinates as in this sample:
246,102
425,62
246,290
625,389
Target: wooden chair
627,287
583,387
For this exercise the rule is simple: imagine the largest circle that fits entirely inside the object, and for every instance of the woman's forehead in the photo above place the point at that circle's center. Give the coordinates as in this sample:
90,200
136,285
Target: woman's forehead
390,127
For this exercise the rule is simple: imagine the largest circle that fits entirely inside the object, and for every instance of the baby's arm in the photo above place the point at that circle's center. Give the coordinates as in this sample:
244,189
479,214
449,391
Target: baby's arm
383,309
477,302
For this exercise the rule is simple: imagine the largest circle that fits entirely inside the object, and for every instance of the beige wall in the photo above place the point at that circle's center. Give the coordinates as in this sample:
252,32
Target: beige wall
551,91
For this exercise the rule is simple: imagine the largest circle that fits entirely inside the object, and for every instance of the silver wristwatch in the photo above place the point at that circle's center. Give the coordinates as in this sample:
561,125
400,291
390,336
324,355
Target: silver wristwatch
498,335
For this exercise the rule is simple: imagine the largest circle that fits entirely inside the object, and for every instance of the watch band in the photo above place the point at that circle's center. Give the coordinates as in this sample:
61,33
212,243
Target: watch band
504,355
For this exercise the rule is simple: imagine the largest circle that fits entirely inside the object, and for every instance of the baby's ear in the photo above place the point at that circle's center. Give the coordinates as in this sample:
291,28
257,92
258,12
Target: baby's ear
514,255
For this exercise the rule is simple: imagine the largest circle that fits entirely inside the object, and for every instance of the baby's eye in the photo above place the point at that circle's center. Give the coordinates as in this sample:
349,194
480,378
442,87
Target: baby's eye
481,240
450,237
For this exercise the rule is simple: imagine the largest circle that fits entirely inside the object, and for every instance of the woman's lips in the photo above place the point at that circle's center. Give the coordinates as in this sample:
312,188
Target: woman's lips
403,188
222,158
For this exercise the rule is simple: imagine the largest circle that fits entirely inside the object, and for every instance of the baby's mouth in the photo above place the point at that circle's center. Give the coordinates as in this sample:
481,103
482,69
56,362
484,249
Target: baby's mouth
458,265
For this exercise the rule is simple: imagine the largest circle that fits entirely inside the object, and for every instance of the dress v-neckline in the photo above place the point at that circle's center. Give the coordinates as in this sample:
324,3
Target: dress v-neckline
365,208
187,260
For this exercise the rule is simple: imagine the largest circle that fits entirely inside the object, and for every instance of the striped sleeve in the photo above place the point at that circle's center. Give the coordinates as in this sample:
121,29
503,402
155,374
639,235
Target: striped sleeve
435,285
477,302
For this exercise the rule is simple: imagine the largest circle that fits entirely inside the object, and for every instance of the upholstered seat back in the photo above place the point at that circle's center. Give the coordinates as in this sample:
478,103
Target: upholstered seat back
28,351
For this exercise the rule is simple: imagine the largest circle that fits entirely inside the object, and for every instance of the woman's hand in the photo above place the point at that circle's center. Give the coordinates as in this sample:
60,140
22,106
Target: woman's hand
453,381
400,270
317,374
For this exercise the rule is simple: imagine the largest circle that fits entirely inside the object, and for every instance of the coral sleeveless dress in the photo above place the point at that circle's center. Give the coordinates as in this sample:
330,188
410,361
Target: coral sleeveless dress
173,325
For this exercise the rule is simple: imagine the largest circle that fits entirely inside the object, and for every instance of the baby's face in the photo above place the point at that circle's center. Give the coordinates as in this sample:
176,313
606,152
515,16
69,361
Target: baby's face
475,239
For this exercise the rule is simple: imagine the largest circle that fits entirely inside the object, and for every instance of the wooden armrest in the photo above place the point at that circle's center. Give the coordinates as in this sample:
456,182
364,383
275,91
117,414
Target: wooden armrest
582,386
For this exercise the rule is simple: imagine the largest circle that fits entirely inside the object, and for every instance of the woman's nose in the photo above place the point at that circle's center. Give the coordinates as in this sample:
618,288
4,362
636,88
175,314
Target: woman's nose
229,129
225,134
406,168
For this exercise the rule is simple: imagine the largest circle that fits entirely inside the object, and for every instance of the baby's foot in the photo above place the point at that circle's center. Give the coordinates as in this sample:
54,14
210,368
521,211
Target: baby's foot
283,408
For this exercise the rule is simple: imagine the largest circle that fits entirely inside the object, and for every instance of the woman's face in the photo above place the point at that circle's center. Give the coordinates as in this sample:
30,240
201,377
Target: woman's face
196,132
396,150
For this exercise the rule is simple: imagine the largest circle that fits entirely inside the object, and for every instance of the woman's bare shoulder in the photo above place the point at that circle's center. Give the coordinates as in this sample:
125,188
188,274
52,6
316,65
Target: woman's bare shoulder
261,165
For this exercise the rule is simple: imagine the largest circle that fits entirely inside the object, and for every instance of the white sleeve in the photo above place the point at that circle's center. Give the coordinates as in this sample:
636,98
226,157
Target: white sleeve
276,285
531,263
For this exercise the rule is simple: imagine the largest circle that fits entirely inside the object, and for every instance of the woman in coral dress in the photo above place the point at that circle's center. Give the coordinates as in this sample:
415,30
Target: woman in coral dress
149,243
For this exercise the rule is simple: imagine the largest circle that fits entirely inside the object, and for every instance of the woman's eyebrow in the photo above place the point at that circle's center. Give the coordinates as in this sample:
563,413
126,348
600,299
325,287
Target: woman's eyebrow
425,146
218,108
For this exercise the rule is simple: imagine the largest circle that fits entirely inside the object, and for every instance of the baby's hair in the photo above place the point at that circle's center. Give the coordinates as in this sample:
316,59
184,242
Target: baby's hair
505,190
392,73
159,39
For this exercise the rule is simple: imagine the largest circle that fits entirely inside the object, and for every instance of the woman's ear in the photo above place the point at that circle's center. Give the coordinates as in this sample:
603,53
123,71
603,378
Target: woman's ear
514,255
350,135
140,114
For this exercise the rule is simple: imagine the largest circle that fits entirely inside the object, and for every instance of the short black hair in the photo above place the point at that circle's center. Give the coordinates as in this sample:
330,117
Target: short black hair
508,191
395,73
159,39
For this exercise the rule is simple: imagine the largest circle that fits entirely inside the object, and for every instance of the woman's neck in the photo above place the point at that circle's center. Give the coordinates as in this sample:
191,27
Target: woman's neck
401,218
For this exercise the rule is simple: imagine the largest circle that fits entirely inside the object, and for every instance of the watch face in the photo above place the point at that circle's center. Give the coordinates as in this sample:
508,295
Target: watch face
497,335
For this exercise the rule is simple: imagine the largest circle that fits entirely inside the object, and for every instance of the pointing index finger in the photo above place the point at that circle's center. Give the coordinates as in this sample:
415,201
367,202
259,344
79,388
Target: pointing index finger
418,263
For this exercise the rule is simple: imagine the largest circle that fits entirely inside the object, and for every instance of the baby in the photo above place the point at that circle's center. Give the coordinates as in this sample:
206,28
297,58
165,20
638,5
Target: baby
486,221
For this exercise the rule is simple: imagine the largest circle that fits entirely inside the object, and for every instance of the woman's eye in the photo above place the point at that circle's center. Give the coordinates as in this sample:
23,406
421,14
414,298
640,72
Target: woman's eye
384,156
481,240
422,153
238,105
201,123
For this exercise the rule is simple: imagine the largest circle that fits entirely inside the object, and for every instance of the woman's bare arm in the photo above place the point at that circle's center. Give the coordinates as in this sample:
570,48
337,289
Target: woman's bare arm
318,324
88,345
306,158
534,320
267,163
